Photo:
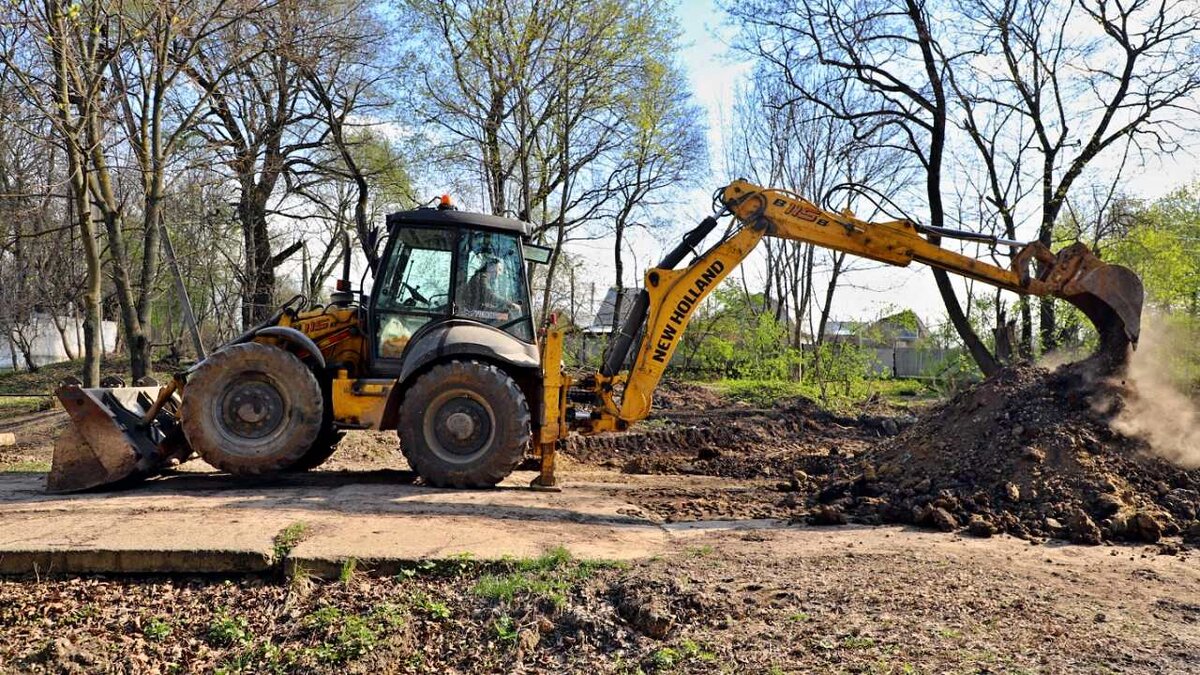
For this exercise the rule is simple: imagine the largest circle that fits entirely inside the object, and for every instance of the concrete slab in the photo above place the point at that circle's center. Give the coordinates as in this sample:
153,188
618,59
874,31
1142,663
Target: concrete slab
207,522
384,545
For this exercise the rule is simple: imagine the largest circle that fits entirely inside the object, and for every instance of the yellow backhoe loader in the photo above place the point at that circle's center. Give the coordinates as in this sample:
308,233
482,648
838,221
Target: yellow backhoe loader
443,349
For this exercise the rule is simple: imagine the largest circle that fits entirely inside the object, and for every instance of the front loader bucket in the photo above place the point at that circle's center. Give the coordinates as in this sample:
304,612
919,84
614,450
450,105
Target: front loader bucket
108,441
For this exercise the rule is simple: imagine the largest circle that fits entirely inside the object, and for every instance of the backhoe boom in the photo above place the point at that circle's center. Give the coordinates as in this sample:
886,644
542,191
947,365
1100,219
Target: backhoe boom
1110,295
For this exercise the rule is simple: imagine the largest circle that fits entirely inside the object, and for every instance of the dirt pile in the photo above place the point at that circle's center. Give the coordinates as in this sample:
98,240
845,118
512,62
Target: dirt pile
1029,452
694,430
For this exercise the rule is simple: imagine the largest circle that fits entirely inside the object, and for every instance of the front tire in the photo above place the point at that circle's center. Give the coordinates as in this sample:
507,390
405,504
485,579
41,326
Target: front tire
252,409
464,424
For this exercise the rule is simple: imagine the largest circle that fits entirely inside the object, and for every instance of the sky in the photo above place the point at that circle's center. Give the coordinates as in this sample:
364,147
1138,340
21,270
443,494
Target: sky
871,290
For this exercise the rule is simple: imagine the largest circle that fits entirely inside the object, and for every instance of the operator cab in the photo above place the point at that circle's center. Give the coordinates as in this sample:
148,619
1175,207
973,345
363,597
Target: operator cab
447,266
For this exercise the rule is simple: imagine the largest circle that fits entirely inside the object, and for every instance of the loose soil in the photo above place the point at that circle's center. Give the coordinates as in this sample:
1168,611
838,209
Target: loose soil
1029,452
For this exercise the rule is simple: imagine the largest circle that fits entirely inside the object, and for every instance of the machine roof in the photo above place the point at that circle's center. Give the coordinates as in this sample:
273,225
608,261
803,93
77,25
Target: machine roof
452,218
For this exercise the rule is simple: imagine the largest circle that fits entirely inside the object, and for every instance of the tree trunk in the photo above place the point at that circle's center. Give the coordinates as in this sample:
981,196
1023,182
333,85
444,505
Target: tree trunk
1026,347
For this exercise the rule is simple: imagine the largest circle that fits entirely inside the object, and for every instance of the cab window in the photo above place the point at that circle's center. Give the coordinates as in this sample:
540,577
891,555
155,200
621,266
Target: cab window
416,287
491,285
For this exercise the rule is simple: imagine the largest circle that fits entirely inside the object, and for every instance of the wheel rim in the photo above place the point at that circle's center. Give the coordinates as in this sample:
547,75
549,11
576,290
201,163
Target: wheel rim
251,411
459,426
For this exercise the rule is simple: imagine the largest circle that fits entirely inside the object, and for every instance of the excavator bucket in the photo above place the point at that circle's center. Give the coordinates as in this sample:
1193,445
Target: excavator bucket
1109,295
113,439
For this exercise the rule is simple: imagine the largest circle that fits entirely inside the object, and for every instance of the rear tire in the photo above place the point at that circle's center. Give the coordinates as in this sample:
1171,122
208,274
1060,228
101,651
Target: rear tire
252,409
464,424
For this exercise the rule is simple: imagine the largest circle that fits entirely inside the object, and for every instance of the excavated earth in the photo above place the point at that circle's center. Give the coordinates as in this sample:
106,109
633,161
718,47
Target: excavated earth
1029,452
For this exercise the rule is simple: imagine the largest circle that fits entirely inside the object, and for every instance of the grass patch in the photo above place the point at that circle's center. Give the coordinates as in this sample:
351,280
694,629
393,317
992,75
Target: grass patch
768,393
26,466
47,378
548,577
11,406
287,539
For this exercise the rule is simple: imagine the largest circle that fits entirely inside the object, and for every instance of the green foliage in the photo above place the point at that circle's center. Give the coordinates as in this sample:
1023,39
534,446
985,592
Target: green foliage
345,636
548,577
346,573
10,406
157,629
506,629
228,631
287,538
434,609
735,336
768,393
1162,245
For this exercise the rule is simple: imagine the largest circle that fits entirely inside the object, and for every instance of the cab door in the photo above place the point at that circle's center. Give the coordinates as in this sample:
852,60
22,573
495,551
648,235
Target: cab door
416,289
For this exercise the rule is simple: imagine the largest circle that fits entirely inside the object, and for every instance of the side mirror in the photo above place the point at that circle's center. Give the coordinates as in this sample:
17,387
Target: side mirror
537,254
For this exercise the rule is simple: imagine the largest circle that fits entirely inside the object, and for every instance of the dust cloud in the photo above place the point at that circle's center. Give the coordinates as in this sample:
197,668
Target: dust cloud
1157,407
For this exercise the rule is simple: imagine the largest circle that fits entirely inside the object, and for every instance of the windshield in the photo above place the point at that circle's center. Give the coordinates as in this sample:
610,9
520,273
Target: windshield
491,287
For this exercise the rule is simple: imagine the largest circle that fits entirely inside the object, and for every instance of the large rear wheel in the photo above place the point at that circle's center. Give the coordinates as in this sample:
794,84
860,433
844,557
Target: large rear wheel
252,409
464,424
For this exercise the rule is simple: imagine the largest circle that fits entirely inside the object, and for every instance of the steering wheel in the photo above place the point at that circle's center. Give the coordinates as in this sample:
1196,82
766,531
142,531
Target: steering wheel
416,295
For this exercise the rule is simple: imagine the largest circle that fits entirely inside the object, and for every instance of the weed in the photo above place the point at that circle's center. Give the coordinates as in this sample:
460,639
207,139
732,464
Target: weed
799,617
949,633
156,630
226,631
324,617
388,615
431,607
506,629
419,568
346,574
665,658
856,642
692,650
700,551
80,615
287,538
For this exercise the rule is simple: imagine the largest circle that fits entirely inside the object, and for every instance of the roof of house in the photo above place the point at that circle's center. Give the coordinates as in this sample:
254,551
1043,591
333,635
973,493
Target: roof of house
842,328
602,322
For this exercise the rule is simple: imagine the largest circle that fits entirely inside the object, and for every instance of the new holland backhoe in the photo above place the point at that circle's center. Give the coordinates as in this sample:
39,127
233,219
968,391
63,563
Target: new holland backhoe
443,349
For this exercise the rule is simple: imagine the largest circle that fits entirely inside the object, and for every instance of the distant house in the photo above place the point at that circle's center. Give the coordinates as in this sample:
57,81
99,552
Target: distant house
602,322
594,335
842,331
901,330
